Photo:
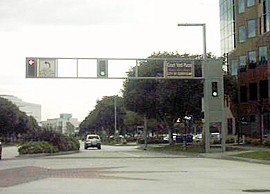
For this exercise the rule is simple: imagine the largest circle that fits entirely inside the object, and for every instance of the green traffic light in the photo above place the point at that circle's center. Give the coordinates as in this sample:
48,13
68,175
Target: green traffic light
215,94
102,73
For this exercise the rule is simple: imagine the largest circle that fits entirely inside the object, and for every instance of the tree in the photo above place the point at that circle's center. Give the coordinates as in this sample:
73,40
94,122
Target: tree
102,118
13,121
165,100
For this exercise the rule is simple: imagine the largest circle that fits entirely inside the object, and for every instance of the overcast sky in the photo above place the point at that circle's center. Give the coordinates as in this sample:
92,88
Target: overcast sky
93,28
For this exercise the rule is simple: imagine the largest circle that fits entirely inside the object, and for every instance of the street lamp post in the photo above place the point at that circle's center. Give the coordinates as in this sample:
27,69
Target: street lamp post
204,35
206,124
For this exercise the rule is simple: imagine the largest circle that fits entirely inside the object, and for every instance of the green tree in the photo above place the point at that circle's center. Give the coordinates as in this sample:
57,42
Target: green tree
165,100
102,118
13,121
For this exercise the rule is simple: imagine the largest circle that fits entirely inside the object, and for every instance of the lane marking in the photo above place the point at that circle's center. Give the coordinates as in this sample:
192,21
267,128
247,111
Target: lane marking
128,154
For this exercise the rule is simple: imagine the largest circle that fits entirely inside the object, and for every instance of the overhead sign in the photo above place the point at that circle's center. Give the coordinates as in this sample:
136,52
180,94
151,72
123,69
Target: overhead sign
41,67
47,68
179,69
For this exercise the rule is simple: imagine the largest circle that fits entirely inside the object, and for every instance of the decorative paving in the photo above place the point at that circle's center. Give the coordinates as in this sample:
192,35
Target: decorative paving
16,176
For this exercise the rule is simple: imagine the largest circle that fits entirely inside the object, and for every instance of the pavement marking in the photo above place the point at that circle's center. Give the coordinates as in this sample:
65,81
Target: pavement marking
128,154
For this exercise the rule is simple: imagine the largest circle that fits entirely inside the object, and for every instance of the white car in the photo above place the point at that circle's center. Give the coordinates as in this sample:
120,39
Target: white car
92,141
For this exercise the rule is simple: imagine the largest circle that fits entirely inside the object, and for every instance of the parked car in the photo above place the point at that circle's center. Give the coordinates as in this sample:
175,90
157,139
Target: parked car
215,138
92,141
197,138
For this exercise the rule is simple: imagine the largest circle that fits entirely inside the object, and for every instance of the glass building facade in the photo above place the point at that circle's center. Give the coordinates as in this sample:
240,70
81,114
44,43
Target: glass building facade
227,25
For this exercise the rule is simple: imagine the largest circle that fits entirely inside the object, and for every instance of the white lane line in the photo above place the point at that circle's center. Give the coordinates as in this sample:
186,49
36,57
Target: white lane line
128,154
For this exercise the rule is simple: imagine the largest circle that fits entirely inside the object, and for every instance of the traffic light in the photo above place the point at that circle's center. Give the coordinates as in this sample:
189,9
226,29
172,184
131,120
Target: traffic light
31,67
214,89
102,68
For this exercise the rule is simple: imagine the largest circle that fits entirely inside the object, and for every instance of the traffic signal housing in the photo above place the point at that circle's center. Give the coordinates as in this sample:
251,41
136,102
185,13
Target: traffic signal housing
31,67
214,89
102,68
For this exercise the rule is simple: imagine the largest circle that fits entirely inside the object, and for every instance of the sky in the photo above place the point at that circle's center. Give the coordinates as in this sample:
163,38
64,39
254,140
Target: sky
93,29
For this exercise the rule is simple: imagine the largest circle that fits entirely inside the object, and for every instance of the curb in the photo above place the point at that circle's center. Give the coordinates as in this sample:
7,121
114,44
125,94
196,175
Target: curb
47,154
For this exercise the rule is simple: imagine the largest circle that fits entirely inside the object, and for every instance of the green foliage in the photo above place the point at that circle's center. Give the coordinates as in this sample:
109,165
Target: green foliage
36,148
231,87
59,141
102,117
166,100
260,155
13,121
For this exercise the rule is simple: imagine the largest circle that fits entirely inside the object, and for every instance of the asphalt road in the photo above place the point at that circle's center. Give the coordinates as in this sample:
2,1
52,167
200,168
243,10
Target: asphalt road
127,170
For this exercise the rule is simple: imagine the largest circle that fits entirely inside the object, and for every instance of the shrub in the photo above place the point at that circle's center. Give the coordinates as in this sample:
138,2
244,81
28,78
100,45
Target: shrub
266,142
36,148
230,139
60,141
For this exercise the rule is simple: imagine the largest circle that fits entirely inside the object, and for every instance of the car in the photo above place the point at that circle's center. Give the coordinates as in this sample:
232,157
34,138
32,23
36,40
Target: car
92,140
197,138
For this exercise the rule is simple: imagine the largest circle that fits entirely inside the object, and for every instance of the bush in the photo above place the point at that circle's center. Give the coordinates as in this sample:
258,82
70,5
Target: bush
36,148
266,142
59,141
230,139
150,140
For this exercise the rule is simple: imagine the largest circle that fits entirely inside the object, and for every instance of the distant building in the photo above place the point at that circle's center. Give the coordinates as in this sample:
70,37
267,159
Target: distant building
65,124
30,109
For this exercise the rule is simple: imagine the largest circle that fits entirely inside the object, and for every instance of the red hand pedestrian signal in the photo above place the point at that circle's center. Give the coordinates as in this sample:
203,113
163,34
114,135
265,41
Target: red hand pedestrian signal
31,67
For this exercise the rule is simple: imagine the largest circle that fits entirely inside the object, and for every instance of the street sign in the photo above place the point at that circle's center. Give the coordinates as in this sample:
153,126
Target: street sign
179,69
47,68
41,67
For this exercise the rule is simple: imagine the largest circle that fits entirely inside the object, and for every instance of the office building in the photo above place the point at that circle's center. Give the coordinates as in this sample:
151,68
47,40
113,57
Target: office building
30,109
245,42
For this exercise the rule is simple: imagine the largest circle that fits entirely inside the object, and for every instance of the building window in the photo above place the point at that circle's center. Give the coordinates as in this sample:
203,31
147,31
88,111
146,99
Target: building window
263,89
241,6
250,3
251,28
253,92
252,61
242,34
265,24
263,55
234,67
243,63
243,94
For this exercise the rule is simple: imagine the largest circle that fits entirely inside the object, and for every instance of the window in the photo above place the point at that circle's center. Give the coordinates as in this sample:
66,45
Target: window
263,89
242,34
234,67
241,6
251,28
243,63
265,16
250,3
263,55
243,94
252,61
253,92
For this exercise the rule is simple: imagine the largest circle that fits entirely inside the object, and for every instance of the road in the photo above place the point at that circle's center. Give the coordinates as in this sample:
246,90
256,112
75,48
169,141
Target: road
127,170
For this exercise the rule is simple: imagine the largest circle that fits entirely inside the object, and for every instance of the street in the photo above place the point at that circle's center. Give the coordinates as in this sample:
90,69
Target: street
125,169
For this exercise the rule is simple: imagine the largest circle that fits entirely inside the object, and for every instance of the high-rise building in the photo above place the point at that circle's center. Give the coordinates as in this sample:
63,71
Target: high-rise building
245,42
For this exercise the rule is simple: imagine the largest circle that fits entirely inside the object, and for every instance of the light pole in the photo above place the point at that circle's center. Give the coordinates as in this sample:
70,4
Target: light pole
205,99
204,34
115,117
